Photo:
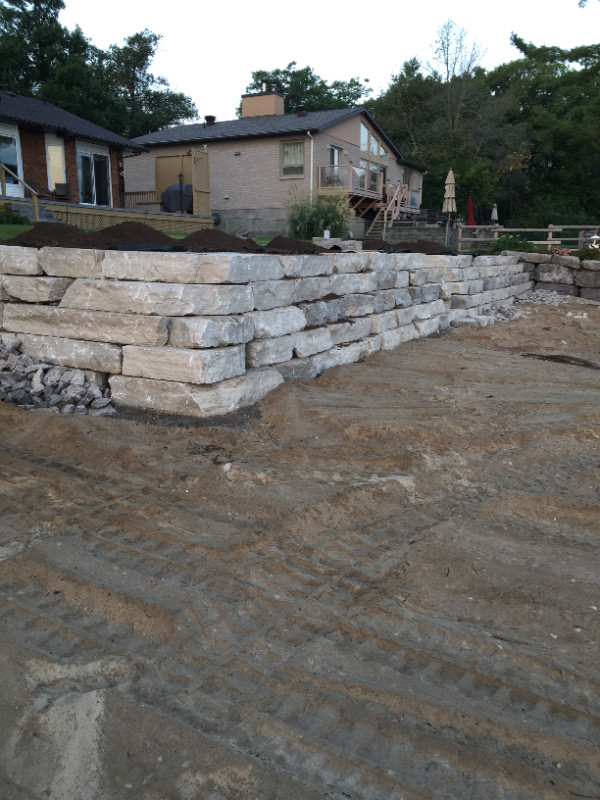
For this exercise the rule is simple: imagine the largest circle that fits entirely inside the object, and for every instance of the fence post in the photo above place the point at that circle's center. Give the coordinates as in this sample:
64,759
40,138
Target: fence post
3,180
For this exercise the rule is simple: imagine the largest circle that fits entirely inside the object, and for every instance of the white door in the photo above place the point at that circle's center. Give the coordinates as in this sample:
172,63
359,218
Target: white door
10,156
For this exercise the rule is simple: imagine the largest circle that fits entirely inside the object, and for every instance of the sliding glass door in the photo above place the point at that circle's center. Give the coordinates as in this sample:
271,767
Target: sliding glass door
93,170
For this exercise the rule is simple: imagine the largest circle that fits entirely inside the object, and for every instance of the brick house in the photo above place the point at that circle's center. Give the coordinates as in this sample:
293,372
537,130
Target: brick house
260,161
60,155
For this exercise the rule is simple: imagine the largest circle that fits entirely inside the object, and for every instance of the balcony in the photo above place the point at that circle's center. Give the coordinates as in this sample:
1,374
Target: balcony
366,191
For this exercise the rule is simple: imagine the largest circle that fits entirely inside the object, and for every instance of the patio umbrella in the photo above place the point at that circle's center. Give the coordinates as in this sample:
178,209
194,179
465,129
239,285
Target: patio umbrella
494,216
449,206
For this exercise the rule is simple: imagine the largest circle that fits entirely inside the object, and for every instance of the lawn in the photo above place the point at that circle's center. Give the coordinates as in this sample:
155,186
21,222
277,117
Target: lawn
8,231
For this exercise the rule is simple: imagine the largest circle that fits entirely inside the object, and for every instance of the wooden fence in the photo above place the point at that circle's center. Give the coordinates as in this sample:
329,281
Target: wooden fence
474,236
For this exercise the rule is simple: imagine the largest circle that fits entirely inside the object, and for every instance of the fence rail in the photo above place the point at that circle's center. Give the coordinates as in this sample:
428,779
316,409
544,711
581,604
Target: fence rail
469,235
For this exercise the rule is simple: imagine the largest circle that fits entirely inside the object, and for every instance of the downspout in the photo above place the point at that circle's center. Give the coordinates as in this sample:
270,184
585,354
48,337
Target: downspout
312,153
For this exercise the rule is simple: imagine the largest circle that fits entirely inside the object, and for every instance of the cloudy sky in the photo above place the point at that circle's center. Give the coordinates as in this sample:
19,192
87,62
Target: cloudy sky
209,50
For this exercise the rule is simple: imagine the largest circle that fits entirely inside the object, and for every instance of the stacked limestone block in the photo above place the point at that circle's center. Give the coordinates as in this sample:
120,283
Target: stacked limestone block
565,274
487,283
205,334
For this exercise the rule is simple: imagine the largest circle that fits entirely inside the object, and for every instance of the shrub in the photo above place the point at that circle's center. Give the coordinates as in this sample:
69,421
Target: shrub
9,217
325,212
511,242
587,253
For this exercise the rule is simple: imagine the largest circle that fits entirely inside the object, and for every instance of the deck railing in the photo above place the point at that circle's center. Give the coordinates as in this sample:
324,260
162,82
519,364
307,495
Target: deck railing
34,196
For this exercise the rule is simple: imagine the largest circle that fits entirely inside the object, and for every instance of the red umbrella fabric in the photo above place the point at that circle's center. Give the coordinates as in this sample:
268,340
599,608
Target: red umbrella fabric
470,217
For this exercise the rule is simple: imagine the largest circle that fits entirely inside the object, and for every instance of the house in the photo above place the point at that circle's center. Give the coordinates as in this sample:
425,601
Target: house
58,154
257,163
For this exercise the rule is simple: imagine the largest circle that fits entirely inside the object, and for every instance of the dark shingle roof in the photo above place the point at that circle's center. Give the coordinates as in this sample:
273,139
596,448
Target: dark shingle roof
257,127
27,110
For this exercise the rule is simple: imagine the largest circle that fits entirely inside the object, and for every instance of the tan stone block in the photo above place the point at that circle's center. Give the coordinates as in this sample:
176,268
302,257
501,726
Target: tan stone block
189,366
173,397
192,332
310,342
71,262
191,267
97,326
33,289
19,261
97,356
162,299
262,352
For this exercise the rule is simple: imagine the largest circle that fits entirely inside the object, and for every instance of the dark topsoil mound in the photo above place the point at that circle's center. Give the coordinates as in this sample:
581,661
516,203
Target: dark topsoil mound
137,236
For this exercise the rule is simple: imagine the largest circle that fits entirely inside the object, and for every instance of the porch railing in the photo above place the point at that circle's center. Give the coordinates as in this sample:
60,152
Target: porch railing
34,195
355,180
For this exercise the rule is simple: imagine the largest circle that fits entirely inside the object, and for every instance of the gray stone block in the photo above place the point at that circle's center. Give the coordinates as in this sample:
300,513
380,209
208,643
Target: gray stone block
304,266
162,299
174,397
554,273
262,352
298,369
351,331
430,292
307,343
189,366
277,322
201,332
69,262
19,261
96,356
98,326
33,289
316,313
590,294
588,279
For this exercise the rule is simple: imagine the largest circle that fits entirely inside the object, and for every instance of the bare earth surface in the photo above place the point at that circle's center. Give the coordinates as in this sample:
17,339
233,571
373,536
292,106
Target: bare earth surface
380,584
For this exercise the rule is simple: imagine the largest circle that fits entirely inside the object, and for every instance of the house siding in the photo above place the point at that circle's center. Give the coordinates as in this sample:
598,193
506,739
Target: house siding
35,166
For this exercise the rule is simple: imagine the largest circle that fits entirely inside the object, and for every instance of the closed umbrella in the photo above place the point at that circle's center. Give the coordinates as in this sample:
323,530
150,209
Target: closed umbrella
470,217
449,206
494,216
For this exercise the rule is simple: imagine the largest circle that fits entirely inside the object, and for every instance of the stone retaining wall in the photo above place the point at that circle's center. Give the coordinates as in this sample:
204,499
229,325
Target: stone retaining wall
565,274
206,334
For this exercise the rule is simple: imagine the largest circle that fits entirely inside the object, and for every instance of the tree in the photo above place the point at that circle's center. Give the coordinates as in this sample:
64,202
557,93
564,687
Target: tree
41,58
303,87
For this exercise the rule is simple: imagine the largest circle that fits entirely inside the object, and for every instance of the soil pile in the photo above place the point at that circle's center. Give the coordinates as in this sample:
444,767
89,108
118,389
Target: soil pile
138,236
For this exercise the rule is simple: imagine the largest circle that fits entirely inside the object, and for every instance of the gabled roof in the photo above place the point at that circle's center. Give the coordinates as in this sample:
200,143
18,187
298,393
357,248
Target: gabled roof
28,110
258,127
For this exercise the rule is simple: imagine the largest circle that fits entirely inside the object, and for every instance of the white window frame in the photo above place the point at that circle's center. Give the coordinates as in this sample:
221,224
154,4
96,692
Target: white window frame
91,150
298,166
14,189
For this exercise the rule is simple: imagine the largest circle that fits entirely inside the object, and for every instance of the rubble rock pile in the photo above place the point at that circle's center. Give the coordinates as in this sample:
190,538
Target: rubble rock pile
35,384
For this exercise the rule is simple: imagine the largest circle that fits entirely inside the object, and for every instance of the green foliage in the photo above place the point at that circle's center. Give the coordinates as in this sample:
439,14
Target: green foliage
326,211
303,87
41,58
587,253
10,217
511,242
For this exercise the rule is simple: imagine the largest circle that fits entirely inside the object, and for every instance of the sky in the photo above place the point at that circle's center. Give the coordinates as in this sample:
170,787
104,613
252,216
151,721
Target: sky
209,51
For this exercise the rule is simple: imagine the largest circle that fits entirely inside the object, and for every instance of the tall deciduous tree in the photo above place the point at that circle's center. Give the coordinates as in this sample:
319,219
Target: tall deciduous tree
304,87
41,58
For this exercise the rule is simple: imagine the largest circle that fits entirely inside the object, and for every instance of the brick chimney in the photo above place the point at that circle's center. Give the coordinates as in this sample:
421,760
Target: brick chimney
262,104
210,120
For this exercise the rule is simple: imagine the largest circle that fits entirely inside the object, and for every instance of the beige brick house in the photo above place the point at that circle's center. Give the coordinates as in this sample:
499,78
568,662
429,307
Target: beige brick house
255,164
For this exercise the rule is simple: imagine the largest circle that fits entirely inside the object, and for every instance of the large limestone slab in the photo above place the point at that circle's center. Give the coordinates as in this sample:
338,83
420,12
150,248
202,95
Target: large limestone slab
161,299
97,326
554,273
397,336
273,294
350,262
311,289
19,261
191,267
97,356
175,397
308,343
346,354
353,283
383,322
33,289
71,262
351,331
587,278
189,366
193,332
277,321
304,266
262,352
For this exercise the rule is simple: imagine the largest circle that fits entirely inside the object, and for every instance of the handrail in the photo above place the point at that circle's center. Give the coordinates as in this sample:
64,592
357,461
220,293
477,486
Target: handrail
34,195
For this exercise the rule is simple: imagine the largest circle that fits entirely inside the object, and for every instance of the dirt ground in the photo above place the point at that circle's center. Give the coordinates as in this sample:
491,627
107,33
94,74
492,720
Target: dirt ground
380,584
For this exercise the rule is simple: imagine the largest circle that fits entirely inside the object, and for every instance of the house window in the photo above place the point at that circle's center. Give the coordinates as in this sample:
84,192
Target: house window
292,159
10,156
335,156
382,152
93,173
364,138
374,146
